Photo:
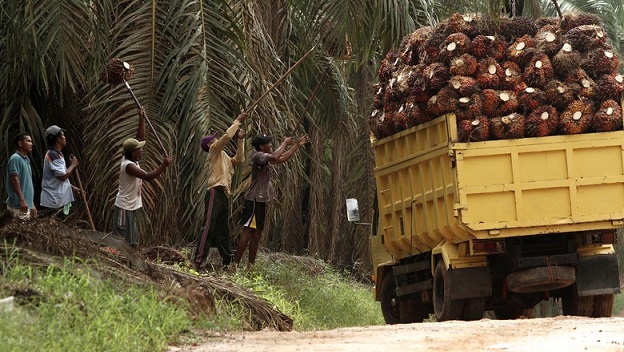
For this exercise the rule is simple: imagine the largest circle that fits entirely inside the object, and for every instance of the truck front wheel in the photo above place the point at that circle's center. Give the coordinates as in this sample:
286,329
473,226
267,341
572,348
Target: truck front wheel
389,303
444,307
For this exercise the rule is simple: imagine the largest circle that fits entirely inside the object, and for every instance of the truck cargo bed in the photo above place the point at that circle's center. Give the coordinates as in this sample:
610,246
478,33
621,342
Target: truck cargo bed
432,188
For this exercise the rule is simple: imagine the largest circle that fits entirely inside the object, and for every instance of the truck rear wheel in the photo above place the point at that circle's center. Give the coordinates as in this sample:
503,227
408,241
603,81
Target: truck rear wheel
444,307
598,306
389,303
603,306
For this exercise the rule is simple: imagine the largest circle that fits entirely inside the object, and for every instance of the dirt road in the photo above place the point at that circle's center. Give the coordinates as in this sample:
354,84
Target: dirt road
542,334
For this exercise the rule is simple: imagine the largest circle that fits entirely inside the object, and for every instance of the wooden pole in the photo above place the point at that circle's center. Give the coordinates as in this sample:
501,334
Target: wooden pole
149,123
84,199
305,110
253,105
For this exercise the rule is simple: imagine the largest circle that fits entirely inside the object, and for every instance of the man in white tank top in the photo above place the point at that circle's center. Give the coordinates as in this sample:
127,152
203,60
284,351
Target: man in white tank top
131,177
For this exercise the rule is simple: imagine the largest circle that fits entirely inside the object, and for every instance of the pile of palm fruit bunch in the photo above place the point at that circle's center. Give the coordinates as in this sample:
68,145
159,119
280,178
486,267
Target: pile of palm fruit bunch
510,78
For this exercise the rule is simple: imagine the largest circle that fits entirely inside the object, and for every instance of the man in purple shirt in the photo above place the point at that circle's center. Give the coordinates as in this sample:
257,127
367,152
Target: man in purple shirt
261,191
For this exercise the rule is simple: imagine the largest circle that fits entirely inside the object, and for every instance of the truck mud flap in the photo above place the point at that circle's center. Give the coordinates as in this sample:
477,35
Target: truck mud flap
598,275
470,283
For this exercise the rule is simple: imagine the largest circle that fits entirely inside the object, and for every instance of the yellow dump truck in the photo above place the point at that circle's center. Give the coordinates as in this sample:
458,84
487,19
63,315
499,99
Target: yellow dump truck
499,225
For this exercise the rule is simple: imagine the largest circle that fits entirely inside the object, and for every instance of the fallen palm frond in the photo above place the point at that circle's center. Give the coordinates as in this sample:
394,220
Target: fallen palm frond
43,241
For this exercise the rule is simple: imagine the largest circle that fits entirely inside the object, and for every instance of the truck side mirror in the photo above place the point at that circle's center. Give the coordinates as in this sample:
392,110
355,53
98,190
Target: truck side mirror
353,212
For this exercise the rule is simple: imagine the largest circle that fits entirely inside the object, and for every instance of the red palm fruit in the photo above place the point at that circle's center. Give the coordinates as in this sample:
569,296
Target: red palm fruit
442,103
378,96
410,44
483,46
392,93
433,107
508,102
531,98
544,21
400,120
464,23
521,50
388,65
436,76
566,60
416,82
489,74
608,117
415,112
465,65
464,127
574,19
542,121
507,127
577,117
586,37
548,39
475,130
430,51
588,86
489,99
559,94
539,71
456,44
520,26
378,124
610,86
465,86
513,76
468,107
600,61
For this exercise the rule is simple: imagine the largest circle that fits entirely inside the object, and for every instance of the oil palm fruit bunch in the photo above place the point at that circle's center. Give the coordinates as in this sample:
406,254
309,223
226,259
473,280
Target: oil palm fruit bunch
542,121
507,127
527,77
117,71
577,117
475,130
608,117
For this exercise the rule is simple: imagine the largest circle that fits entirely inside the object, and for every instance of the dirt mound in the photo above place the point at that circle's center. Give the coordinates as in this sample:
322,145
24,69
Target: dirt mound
42,241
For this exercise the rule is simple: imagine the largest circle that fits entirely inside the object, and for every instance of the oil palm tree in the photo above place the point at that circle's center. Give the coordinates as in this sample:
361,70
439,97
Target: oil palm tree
197,65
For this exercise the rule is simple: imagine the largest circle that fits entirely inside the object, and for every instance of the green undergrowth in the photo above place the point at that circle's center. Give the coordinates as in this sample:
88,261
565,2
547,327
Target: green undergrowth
67,307
312,293
72,306
618,305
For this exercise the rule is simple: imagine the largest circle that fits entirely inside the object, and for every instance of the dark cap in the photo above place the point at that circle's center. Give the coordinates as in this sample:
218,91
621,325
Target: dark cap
261,139
205,142
53,131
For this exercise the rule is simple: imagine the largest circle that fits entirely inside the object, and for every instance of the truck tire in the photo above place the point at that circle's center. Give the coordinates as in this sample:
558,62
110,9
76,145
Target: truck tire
413,312
509,312
544,278
603,306
444,307
389,303
473,309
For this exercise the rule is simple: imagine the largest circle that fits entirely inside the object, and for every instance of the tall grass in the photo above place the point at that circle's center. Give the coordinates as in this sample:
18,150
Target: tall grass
73,310
315,296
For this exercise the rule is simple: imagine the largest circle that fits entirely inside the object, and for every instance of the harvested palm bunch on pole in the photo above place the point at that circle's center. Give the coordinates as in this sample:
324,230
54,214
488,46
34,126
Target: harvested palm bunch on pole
117,72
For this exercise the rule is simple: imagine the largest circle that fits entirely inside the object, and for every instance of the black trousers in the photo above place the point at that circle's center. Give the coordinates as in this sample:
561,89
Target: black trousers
216,231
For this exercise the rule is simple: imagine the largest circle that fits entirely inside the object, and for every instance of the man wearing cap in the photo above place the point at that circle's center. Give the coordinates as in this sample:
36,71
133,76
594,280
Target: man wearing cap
19,184
131,177
216,230
261,190
56,190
